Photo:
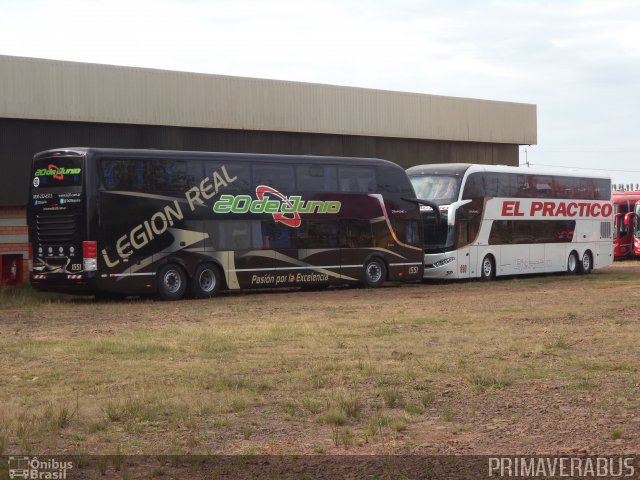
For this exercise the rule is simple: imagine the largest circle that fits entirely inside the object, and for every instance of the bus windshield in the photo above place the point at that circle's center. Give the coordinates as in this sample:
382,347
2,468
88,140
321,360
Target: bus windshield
440,189
438,237
637,219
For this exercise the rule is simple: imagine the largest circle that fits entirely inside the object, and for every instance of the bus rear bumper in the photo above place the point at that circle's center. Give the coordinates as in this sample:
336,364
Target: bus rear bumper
77,284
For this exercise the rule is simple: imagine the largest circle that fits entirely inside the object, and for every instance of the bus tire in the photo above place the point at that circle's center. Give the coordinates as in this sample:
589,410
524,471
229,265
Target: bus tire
206,281
586,265
172,282
375,272
572,263
488,268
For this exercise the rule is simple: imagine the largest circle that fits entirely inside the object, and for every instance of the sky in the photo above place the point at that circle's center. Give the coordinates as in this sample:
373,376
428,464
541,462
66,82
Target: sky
577,60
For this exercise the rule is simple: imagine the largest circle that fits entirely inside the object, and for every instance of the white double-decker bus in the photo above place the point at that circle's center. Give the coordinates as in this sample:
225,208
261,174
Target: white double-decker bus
498,220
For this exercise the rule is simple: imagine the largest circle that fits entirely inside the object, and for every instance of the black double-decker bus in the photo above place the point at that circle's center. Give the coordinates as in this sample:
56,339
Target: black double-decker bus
136,222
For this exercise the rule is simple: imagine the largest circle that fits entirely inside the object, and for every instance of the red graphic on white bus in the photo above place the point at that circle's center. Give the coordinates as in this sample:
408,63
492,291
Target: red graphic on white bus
517,208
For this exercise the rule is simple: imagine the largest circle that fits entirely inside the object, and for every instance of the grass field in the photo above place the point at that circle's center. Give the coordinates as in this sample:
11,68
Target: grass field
531,365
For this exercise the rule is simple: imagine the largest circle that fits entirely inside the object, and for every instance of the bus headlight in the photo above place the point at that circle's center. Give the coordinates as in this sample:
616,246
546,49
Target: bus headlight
442,263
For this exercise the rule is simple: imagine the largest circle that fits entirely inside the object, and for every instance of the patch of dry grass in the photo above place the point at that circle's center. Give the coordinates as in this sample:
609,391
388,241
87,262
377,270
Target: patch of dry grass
395,369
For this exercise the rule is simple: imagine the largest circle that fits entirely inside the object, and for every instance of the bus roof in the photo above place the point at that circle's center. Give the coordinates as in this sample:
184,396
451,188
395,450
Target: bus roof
459,169
198,155
622,196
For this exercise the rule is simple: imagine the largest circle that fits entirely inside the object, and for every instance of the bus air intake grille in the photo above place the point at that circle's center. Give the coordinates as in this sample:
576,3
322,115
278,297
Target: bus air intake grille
55,229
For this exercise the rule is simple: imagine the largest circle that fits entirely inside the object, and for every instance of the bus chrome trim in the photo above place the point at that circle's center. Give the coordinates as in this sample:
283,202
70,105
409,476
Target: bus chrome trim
309,267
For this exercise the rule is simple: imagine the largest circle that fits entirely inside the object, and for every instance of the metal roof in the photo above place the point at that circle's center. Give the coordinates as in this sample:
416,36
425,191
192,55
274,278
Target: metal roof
70,91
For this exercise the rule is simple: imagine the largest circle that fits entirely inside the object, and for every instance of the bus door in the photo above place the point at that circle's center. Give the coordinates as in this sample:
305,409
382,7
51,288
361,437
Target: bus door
468,218
318,243
636,240
117,223
247,258
356,240
467,254
623,228
538,258
281,239
465,263
515,239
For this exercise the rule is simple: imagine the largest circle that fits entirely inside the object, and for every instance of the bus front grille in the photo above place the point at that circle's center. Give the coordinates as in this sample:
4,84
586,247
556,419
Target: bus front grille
55,229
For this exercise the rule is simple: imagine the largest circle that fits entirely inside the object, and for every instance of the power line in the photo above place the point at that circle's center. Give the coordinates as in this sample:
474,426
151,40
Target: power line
580,168
584,151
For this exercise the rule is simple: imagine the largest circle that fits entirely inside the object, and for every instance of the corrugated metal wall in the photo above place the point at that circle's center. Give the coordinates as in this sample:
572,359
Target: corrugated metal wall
69,91
21,139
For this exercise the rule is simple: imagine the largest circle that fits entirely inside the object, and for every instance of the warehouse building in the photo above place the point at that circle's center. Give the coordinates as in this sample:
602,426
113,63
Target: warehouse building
48,104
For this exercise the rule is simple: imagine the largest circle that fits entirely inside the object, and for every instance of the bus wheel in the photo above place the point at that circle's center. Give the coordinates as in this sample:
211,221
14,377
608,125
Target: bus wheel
572,263
488,271
586,264
206,281
375,273
172,282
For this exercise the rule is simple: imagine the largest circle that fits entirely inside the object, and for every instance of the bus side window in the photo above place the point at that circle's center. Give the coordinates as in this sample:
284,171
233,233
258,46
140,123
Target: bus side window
316,178
238,234
113,173
278,176
240,172
523,186
356,179
195,173
407,231
129,174
358,233
170,175
276,235
318,234
393,180
468,218
543,187
139,175
603,189
501,232
414,232
565,187
474,186
492,184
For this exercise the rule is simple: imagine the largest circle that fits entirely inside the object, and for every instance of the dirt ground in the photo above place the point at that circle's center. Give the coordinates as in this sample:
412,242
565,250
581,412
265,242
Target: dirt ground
537,365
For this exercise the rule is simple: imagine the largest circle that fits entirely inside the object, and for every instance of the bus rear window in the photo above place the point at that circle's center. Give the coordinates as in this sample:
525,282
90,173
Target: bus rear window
57,172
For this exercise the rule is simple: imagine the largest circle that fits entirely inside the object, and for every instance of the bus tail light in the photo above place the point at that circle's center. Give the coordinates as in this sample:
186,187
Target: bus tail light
90,256
30,259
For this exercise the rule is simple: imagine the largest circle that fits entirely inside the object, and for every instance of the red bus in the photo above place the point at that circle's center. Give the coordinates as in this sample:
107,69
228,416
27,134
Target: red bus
625,224
636,240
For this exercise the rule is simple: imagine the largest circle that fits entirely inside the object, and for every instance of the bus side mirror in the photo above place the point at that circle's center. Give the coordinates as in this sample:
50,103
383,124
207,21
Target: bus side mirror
451,219
628,218
433,206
